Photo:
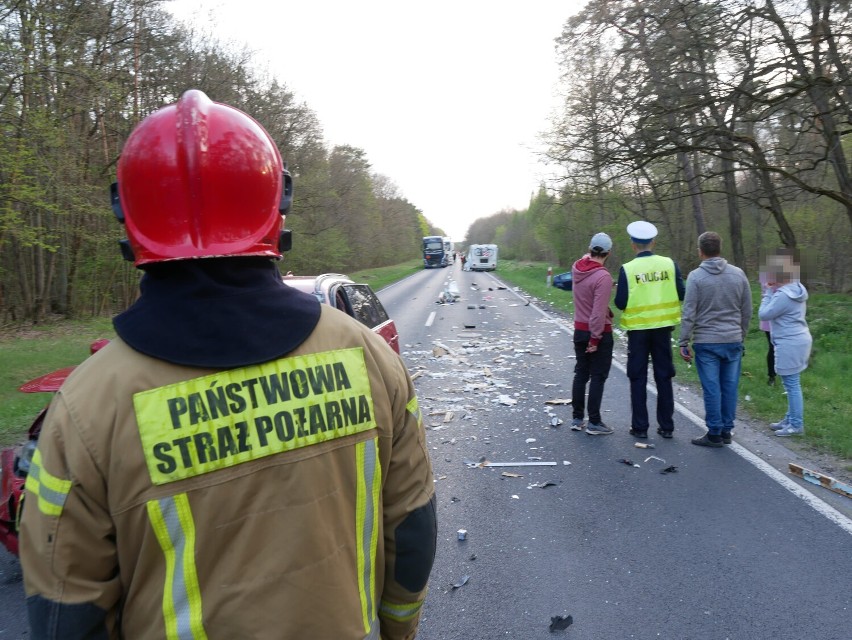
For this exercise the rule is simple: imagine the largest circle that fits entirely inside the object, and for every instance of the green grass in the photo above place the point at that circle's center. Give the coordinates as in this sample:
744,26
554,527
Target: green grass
383,276
828,401
28,354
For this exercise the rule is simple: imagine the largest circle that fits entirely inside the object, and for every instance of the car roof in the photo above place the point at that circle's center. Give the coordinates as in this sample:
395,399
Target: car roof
317,285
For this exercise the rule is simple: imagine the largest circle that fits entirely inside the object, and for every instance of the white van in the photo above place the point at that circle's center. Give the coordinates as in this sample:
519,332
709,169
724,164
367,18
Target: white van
482,257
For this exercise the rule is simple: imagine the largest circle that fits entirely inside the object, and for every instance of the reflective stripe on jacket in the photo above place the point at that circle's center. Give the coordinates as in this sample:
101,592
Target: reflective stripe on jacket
259,502
652,293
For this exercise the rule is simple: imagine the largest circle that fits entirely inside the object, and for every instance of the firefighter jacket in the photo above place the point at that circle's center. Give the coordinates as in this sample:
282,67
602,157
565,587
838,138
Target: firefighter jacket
288,499
654,292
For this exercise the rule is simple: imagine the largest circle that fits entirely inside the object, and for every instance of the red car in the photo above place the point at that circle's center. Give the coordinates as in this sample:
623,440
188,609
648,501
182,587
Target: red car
357,300
15,461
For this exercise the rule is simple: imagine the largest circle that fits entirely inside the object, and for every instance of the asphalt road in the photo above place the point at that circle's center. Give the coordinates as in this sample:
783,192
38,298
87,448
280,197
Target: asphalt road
719,549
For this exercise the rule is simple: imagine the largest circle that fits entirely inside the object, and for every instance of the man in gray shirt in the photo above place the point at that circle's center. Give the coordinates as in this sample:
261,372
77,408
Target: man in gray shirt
715,316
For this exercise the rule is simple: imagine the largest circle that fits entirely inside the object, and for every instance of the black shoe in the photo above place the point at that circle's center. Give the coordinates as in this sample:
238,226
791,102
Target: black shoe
726,437
665,433
638,434
705,441
771,381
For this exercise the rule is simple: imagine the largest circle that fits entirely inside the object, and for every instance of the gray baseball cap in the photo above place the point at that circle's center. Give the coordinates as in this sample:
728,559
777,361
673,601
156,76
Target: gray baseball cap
601,242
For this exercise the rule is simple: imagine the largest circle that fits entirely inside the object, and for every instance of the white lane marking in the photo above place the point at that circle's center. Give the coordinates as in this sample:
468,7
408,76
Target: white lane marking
810,499
430,319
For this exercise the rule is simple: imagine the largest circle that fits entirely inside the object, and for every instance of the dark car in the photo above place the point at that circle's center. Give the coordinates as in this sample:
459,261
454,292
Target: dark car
354,299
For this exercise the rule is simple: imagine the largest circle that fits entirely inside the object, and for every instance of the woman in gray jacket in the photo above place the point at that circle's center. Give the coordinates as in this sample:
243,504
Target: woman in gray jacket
784,305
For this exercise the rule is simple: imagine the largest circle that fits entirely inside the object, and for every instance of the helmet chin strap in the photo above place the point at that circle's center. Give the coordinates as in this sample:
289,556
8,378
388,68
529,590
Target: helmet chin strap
115,201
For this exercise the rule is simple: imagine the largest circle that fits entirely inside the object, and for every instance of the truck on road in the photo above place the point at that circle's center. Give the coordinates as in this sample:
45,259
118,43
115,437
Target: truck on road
434,254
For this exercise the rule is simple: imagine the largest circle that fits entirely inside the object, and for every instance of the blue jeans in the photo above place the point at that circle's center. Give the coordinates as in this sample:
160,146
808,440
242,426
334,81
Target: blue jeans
719,366
795,401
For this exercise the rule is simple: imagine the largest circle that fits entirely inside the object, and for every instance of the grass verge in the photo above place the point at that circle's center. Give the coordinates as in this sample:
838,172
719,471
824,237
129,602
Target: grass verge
381,277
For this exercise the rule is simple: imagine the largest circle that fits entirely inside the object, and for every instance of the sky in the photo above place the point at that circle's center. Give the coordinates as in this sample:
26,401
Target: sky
448,98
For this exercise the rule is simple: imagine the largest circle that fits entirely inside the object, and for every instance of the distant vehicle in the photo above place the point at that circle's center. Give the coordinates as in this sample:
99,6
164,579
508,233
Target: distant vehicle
482,257
356,300
433,252
564,281
449,250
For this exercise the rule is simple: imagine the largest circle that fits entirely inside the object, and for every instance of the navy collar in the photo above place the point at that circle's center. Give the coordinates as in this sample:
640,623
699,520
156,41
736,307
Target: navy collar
217,313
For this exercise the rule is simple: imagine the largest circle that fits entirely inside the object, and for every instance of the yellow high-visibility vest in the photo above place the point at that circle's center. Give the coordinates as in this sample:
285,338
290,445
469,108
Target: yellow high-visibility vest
652,300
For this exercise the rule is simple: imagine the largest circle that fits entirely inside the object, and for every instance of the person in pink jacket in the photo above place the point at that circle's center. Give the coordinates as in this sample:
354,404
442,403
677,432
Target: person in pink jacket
592,286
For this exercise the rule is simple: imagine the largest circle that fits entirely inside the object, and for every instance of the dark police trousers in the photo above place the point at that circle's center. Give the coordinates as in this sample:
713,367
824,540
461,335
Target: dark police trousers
656,343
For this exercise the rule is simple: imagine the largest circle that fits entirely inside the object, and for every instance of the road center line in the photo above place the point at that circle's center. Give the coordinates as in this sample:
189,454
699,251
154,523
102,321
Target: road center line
813,501
430,319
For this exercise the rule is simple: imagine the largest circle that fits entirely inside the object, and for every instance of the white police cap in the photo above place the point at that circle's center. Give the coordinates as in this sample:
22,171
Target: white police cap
641,231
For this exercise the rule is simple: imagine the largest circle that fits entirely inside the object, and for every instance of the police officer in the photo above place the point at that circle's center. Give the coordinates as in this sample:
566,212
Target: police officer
241,461
650,288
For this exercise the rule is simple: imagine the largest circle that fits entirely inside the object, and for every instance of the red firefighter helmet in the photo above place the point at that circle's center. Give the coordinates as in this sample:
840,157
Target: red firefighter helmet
200,179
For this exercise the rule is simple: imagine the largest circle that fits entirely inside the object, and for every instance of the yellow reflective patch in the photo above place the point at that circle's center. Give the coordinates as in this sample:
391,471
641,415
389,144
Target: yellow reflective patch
414,409
50,490
202,425
400,612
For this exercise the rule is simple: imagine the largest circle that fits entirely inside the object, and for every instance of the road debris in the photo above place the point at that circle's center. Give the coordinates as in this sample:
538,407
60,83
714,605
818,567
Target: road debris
558,401
821,479
458,584
671,469
462,534
510,474
530,463
530,440
555,421
628,462
560,623
506,400
542,485
654,458
643,445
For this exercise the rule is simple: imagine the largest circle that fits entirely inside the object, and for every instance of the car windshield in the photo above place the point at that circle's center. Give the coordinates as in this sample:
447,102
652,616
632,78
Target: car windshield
366,307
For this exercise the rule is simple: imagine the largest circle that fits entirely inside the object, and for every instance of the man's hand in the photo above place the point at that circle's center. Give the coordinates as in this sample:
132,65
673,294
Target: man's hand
591,348
685,354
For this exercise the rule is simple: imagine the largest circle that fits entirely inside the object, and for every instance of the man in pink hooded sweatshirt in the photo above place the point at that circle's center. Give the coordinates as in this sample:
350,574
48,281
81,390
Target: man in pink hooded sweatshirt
592,286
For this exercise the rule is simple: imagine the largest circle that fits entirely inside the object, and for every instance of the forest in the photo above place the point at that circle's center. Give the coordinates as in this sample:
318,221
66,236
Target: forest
76,76
730,115
727,115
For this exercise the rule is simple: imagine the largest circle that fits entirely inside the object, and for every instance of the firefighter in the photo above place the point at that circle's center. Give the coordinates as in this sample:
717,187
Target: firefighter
241,461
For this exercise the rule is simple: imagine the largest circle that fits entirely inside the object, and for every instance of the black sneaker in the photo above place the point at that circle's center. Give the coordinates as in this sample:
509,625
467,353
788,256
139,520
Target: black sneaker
705,441
638,434
726,437
598,429
666,433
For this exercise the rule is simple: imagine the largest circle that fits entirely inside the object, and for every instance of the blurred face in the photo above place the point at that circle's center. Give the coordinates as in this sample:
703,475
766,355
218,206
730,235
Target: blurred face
780,269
